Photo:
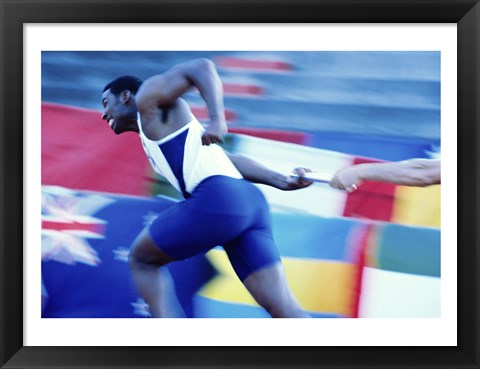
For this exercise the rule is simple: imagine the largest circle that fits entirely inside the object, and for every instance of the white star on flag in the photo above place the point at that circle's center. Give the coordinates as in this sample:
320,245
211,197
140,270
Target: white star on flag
121,254
141,308
149,218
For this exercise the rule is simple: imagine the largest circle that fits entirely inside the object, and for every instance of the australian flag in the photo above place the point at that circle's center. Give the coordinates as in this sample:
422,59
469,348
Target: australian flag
86,238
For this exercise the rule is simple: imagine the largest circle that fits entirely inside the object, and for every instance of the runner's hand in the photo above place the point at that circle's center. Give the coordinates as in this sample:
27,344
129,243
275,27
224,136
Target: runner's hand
346,179
296,183
214,134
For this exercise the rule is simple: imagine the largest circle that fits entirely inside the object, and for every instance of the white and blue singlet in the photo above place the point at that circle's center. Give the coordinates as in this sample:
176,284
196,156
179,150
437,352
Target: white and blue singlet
221,208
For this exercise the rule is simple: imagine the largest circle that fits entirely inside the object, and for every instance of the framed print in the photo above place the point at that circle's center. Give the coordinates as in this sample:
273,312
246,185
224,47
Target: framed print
428,50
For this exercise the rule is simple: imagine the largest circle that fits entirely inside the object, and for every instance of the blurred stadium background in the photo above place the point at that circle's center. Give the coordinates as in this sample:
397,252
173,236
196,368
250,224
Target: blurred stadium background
371,253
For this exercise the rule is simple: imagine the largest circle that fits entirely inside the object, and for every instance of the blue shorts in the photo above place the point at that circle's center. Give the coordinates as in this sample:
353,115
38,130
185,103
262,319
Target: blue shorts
222,211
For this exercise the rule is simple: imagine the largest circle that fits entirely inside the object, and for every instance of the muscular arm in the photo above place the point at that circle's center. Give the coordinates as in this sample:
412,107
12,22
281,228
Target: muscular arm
164,89
255,172
414,172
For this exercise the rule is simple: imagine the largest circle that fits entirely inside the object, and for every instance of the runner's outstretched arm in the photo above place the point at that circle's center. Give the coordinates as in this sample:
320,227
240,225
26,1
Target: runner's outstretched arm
255,172
413,172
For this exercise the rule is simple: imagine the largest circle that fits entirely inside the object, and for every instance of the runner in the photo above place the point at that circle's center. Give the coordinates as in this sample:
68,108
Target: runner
221,206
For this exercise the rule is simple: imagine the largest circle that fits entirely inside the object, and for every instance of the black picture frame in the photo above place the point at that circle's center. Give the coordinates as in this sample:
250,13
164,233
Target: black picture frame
14,14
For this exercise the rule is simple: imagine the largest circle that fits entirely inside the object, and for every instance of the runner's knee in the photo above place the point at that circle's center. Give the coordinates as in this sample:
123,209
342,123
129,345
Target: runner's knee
144,252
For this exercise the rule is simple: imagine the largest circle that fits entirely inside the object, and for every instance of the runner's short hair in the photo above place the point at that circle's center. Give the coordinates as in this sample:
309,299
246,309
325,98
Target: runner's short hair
130,83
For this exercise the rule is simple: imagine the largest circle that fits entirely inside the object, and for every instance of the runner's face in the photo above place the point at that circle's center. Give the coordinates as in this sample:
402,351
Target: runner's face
118,115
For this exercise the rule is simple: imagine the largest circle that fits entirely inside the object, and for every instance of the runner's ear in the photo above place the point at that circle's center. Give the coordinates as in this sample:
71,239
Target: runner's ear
125,96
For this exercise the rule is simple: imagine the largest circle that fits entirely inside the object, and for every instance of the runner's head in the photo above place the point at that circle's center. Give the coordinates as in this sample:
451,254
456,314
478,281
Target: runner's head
118,100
